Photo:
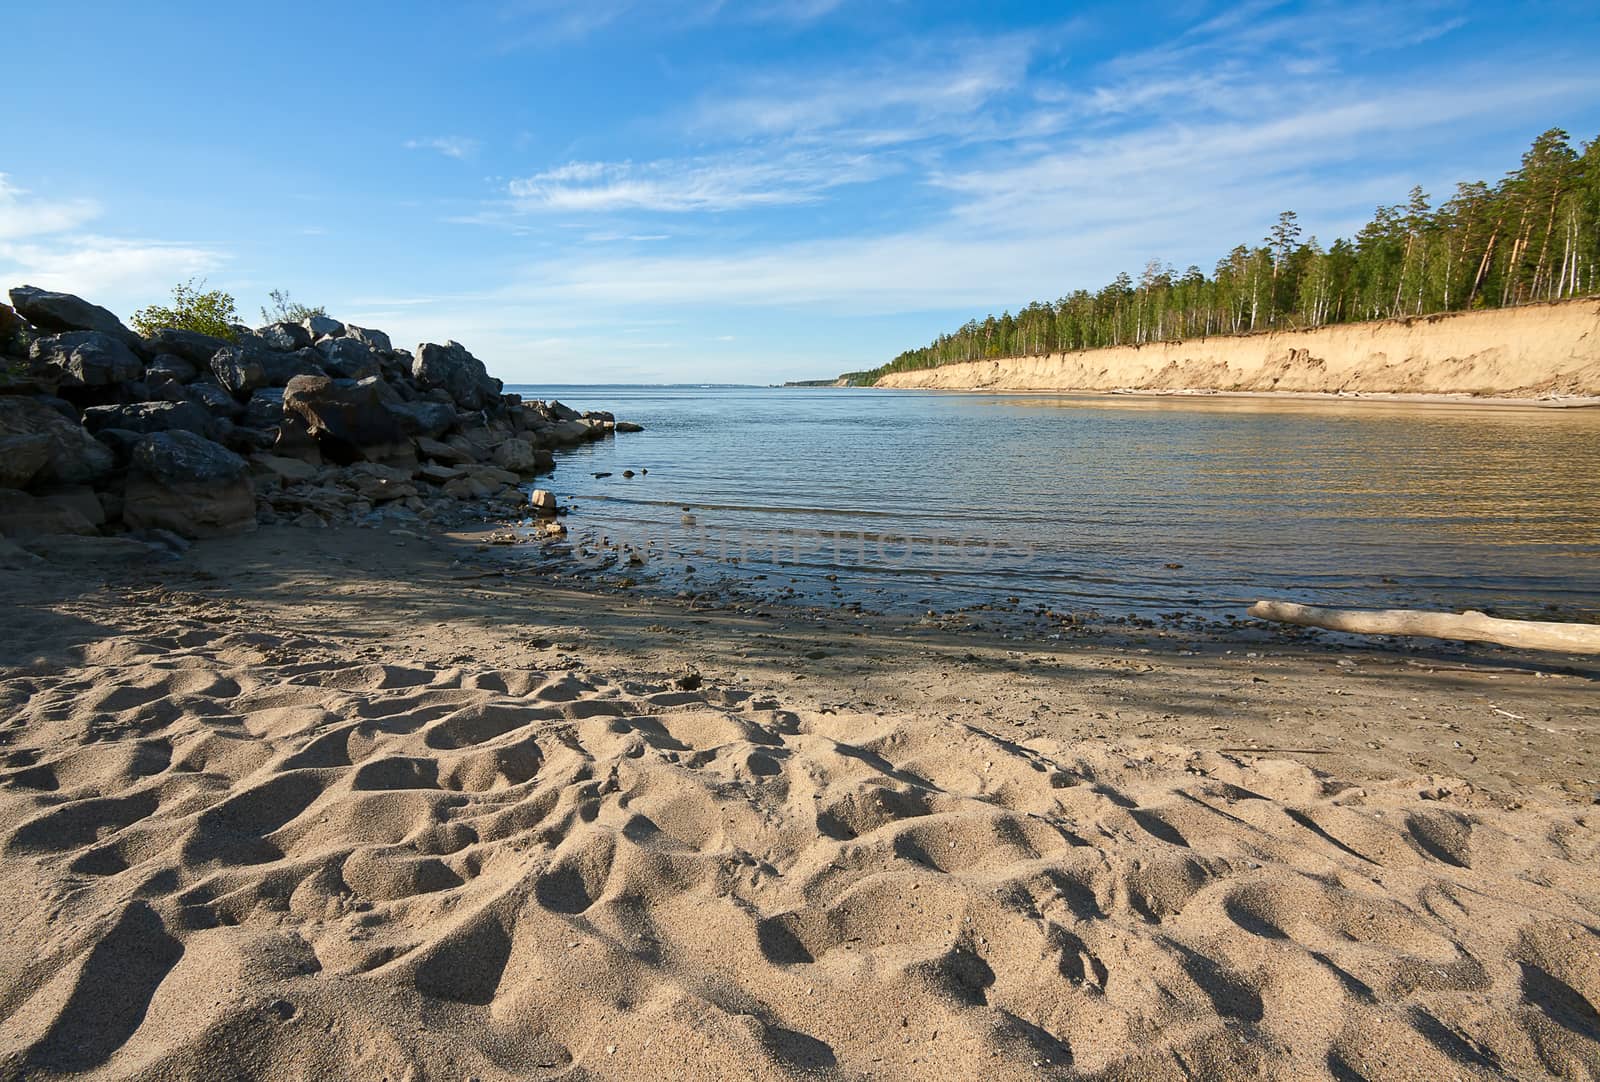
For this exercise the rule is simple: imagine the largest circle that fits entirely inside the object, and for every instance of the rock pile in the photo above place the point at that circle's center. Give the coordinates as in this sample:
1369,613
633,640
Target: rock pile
182,435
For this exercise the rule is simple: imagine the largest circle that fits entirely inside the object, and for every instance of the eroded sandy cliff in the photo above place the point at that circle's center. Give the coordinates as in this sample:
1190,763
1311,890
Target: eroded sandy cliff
1539,350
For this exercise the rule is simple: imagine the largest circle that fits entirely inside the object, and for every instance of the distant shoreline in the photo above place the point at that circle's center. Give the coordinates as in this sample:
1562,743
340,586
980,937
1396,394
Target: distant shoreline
1532,355
1372,398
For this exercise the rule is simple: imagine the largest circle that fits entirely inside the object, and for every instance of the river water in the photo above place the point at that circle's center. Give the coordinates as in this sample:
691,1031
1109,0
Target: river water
1110,503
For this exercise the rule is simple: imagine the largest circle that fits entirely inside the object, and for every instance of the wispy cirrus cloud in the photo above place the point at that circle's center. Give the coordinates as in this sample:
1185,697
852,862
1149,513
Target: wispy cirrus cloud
927,89
1276,33
734,181
786,11
547,22
451,146
787,140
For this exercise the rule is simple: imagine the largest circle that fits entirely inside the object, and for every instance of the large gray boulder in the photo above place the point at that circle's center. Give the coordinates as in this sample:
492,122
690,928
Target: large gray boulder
566,433
22,456
169,368
50,311
515,455
265,408
192,346
216,400
280,368
184,457
351,420
323,327
247,337
238,371
146,417
456,371
185,483
285,337
427,419
85,359
377,341
74,457
22,515
348,358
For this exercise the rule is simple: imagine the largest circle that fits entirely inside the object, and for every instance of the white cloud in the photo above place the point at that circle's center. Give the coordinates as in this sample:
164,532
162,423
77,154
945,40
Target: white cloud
21,216
916,96
631,238
804,135
1270,33
734,181
451,146
793,11
117,272
41,243
546,22
1129,176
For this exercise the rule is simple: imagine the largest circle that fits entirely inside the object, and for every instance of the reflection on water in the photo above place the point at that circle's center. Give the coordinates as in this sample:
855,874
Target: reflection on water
914,498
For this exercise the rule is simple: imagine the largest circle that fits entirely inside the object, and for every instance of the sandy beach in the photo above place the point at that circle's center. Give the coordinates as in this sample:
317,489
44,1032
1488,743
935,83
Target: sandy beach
1541,352
379,805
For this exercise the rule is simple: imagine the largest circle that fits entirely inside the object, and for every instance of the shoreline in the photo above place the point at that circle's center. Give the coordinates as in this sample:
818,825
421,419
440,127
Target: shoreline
1374,398
423,565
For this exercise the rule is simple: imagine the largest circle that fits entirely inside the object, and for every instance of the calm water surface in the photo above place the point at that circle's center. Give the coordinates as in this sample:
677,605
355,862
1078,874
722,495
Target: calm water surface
1082,502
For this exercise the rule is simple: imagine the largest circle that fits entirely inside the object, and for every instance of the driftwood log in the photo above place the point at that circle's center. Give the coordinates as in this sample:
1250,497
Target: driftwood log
1466,626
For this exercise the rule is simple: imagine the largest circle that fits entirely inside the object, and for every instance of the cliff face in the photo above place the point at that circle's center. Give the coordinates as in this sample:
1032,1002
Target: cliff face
1534,351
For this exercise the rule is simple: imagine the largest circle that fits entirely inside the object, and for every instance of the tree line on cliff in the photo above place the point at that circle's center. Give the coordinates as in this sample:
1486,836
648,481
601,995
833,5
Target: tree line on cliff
1534,236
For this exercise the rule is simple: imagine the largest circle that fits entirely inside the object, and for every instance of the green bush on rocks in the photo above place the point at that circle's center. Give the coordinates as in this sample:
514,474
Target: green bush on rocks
194,308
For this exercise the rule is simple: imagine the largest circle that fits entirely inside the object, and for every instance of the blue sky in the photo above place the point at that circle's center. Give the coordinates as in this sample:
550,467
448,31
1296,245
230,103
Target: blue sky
627,190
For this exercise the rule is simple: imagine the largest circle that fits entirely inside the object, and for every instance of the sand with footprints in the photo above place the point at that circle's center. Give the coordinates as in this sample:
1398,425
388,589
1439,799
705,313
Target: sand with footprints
253,830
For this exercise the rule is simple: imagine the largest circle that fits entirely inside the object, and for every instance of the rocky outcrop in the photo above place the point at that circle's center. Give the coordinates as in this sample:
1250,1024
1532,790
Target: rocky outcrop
192,346
348,358
285,337
85,359
21,458
23,515
107,437
376,341
238,372
147,417
279,368
10,324
49,311
323,327
183,482
452,369
350,419
72,456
